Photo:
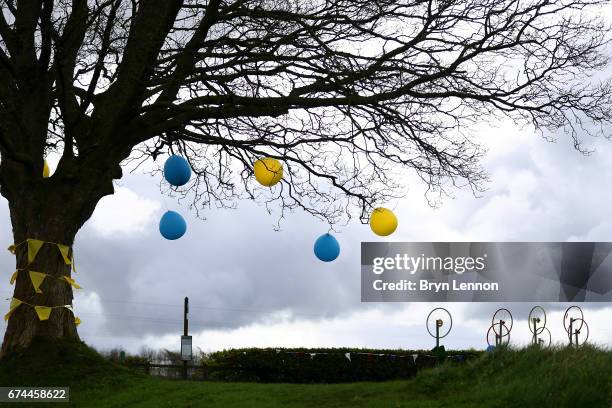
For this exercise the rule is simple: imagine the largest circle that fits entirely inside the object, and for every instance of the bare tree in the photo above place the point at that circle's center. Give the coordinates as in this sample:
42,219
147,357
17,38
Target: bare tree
348,94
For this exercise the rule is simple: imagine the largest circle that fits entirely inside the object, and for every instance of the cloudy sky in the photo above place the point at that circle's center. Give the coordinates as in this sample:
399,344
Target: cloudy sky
250,285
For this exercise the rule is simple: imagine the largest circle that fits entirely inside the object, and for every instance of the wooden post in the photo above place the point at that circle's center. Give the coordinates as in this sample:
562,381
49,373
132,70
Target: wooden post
185,332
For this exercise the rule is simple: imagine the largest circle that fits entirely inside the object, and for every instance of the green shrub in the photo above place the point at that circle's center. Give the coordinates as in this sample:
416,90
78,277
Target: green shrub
330,366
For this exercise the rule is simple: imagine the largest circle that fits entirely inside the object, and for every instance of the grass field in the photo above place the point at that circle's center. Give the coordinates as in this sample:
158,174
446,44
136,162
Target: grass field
559,377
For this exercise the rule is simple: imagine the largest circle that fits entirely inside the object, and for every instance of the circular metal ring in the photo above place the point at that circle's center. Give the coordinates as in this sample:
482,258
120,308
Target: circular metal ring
538,330
495,324
506,336
583,325
449,327
547,343
567,317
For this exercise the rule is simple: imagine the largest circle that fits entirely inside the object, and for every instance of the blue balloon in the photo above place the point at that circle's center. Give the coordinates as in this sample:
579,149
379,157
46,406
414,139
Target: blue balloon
490,349
177,171
327,248
172,225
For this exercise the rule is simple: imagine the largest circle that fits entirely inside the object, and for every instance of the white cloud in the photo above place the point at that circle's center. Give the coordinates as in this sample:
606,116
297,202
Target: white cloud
88,307
124,212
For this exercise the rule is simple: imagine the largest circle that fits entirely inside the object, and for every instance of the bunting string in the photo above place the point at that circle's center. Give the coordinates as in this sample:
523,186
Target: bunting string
43,312
370,356
348,355
34,246
37,279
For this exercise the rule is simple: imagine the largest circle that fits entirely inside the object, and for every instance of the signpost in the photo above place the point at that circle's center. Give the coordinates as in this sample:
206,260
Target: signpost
186,350
186,354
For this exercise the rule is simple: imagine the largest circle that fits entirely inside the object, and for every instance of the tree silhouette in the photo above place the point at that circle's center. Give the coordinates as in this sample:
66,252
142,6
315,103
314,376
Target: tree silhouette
348,95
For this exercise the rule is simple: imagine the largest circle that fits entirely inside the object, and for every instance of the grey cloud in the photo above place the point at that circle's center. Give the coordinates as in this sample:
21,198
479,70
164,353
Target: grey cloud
238,271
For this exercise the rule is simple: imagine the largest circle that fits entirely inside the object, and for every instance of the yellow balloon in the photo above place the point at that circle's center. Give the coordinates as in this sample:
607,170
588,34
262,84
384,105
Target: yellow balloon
383,222
268,171
46,170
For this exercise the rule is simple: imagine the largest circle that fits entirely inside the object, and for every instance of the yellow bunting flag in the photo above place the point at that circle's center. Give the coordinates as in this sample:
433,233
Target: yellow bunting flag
64,249
43,312
46,169
15,303
72,282
34,246
37,279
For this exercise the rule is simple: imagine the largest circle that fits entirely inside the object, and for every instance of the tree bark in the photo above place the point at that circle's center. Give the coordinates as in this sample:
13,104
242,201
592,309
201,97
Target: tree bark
24,324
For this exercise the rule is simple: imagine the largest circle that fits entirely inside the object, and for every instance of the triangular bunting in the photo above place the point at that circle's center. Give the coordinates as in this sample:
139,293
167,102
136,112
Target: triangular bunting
15,303
77,321
34,246
12,249
43,312
64,250
72,282
348,356
14,276
37,279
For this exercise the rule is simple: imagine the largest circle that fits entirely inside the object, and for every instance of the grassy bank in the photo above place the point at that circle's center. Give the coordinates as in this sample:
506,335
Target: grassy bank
560,377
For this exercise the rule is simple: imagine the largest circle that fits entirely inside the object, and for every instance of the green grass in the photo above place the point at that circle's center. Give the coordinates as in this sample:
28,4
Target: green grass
558,377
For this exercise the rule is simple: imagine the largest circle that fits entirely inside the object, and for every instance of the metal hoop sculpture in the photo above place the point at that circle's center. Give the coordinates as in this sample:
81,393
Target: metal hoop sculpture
504,314
536,322
572,314
438,324
498,339
576,332
547,340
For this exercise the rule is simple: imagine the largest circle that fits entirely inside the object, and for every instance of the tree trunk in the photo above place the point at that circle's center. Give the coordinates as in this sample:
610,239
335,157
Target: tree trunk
51,210
47,220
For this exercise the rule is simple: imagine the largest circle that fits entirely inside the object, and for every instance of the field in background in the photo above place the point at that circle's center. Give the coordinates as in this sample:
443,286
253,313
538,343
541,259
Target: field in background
557,377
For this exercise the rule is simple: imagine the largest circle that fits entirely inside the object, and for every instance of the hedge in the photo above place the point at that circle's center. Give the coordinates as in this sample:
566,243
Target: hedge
298,366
